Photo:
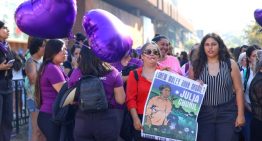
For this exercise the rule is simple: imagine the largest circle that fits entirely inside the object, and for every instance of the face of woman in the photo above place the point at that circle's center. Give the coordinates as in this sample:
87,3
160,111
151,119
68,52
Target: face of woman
253,57
77,53
165,92
211,48
244,62
61,56
4,33
150,54
163,46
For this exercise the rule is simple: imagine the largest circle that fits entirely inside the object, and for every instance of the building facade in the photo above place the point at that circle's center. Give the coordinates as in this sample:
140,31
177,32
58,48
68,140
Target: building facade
144,18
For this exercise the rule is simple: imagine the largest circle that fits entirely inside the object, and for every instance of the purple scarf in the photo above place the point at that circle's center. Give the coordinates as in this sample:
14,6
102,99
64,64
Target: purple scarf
4,47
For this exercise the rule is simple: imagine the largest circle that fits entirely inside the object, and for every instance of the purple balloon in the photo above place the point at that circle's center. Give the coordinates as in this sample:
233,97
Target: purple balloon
258,16
107,35
46,18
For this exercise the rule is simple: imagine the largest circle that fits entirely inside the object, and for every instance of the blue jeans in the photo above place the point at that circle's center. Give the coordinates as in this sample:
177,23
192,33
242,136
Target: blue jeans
217,123
31,106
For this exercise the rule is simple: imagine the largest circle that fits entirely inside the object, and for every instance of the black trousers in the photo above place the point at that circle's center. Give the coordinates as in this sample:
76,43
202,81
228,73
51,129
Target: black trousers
100,126
256,128
48,127
6,116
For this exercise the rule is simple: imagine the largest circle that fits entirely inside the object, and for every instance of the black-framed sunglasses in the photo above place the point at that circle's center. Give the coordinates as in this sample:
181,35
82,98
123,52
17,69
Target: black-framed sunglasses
149,52
4,27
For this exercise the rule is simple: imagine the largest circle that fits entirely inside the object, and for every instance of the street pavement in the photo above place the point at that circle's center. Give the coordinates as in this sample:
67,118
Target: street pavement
22,135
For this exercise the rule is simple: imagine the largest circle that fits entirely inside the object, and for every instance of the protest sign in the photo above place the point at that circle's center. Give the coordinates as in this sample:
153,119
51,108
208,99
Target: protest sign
172,107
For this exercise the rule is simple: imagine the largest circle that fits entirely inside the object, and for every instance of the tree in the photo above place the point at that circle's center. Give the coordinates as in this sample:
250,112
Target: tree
188,44
253,34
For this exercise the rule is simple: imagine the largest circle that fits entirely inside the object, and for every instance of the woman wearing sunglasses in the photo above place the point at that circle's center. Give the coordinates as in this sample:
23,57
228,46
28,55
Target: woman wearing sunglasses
137,89
166,61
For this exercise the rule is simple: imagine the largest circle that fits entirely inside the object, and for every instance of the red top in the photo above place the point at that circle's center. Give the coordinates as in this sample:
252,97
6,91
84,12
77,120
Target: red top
137,92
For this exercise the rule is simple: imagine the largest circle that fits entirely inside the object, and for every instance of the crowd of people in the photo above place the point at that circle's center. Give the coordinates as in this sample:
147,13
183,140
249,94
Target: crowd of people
231,109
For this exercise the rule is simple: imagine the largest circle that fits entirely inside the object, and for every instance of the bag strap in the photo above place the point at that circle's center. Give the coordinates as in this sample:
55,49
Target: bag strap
136,78
135,74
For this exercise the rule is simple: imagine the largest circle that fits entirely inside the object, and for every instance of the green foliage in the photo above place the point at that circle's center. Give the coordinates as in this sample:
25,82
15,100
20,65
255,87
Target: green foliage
253,35
189,44
233,40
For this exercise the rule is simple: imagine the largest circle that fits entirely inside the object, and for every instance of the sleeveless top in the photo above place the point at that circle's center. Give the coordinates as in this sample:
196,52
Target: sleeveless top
30,89
219,87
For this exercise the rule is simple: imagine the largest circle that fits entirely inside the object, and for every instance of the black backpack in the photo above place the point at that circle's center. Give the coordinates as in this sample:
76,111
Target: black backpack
91,94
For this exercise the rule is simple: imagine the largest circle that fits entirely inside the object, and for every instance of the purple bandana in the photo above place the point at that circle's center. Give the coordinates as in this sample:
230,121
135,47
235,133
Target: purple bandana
4,47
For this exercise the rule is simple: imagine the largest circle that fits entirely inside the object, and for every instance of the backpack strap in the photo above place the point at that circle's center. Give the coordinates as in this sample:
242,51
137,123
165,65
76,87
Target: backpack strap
135,74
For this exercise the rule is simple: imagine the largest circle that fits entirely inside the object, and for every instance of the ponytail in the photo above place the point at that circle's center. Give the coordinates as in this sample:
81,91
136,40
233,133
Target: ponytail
38,95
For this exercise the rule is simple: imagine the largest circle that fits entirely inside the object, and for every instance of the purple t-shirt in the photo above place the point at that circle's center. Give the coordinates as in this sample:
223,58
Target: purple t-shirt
52,74
110,81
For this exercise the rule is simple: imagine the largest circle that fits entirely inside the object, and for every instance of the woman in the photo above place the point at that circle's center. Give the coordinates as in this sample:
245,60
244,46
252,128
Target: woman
247,76
32,65
255,94
183,58
137,91
242,62
6,110
222,111
99,126
71,63
171,63
50,79
192,56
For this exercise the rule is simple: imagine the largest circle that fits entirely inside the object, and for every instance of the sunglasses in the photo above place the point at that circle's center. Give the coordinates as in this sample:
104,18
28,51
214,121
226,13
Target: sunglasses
4,27
149,52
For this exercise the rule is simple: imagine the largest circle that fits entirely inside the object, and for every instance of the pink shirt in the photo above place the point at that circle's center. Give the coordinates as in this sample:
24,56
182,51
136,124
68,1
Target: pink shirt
171,62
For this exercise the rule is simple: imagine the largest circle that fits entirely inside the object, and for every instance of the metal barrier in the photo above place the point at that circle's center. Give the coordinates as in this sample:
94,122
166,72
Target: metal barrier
21,115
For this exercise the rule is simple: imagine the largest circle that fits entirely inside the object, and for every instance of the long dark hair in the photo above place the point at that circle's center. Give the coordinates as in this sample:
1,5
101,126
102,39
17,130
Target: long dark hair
52,48
18,63
89,64
200,62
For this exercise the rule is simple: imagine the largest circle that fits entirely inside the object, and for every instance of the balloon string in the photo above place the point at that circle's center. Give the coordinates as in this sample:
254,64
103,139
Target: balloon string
73,39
